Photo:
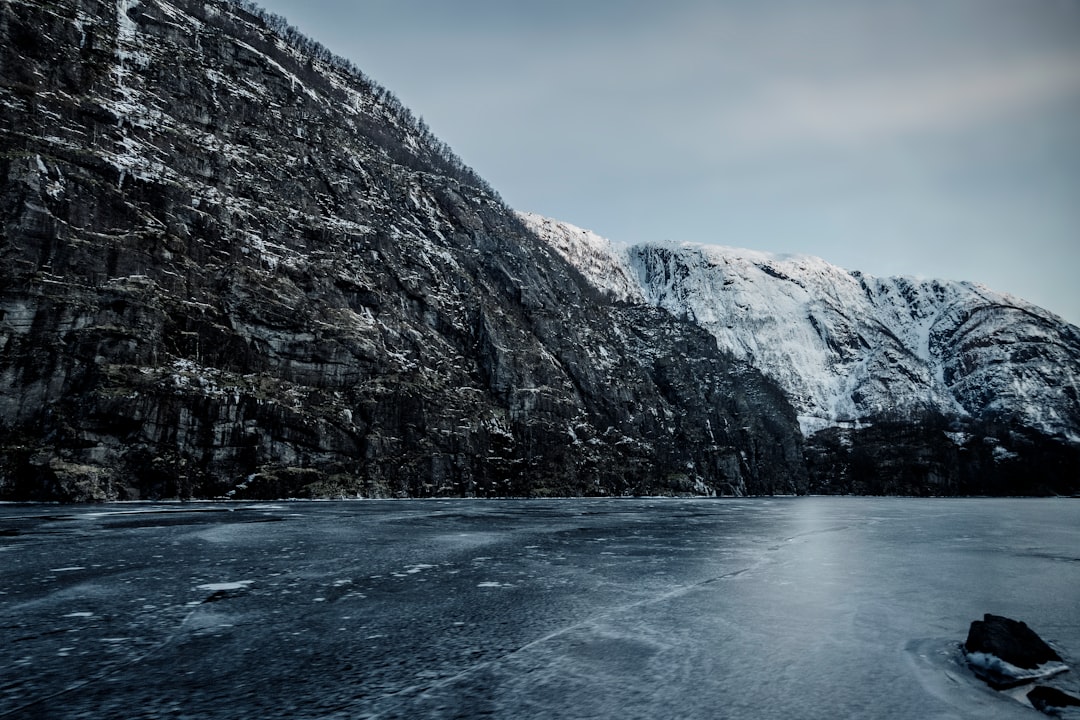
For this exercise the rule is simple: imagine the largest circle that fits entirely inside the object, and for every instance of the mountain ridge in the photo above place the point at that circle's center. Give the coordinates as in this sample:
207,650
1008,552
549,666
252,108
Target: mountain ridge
234,267
850,349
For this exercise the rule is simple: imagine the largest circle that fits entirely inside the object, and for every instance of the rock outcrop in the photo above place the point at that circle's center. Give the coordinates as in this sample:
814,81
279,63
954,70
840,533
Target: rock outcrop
1006,652
234,266
1051,700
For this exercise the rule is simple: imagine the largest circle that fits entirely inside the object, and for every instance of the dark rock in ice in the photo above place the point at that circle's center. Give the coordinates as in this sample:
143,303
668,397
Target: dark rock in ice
1006,652
1011,640
1049,699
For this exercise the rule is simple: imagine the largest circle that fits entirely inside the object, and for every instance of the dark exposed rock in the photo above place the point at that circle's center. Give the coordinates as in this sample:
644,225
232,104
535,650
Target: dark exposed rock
1050,700
929,456
1007,652
230,265
1011,640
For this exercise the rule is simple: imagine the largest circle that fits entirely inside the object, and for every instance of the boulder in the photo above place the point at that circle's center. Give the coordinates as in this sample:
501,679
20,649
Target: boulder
1006,653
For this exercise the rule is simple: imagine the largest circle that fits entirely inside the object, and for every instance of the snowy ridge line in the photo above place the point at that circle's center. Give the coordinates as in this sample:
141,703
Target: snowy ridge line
604,263
417,135
361,94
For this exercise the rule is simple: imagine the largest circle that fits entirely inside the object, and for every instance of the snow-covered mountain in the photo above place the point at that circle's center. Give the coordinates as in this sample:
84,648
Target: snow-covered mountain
846,347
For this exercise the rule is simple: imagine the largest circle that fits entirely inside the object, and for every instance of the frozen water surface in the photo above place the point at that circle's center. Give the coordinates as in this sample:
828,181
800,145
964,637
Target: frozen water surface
763,608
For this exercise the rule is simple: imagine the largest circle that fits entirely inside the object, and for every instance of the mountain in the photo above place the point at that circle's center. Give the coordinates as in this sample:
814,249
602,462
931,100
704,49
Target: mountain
234,266
982,386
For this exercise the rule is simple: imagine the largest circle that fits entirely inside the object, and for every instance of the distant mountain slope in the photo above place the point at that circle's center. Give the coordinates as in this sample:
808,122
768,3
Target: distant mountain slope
603,263
231,265
849,349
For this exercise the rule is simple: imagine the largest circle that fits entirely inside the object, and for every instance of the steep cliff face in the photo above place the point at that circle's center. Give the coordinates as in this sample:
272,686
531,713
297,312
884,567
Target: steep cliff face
233,266
902,385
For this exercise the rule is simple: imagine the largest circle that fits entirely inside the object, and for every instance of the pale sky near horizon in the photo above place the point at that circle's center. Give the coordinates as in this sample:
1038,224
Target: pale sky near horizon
934,138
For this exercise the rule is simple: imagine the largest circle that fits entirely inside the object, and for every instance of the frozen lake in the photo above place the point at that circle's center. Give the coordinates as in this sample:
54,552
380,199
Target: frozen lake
760,608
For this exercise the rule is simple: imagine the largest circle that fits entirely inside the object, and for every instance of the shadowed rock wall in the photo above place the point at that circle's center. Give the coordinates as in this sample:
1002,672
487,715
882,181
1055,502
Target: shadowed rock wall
233,266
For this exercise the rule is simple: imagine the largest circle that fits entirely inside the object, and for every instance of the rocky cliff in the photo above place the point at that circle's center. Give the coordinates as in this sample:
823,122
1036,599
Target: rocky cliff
901,385
233,266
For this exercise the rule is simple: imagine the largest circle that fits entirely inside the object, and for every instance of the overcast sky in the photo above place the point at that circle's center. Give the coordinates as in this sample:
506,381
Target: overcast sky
935,138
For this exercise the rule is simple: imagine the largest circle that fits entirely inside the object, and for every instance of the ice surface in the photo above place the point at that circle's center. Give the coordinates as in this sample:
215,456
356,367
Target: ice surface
631,609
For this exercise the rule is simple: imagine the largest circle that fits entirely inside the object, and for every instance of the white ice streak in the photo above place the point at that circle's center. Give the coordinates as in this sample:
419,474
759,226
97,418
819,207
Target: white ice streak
225,586
277,66
998,670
